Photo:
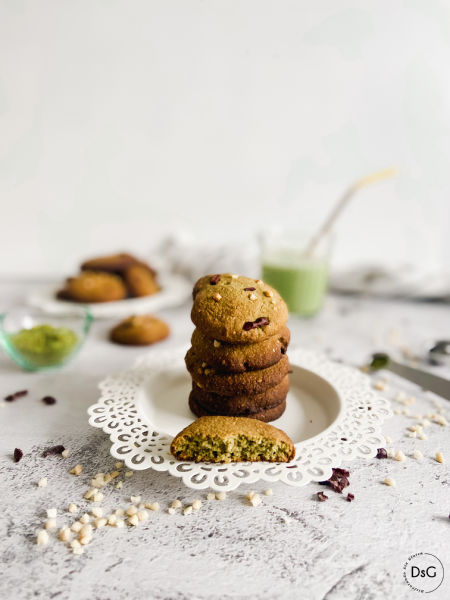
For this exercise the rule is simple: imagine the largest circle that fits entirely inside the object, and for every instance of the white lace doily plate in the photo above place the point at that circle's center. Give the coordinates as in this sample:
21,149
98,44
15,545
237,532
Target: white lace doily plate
332,415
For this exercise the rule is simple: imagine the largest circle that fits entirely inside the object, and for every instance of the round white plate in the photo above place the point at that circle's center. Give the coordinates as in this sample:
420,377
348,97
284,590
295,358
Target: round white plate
332,415
174,291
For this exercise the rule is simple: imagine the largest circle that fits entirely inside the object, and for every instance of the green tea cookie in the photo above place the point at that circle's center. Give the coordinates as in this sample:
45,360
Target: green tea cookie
241,405
139,330
266,415
238,358
232,439
231,308
233,384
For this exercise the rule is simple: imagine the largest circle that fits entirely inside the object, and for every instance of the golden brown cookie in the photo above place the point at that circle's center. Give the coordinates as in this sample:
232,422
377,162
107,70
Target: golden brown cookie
237,309
140,281
234,384
113,263
232,439
266,414
238,358
139,330
242,405
92,286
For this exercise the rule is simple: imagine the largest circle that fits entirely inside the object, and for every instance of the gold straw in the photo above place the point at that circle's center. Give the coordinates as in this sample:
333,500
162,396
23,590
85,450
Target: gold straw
343,201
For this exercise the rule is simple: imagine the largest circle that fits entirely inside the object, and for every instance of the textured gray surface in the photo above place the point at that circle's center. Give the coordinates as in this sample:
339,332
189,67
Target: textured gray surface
333,550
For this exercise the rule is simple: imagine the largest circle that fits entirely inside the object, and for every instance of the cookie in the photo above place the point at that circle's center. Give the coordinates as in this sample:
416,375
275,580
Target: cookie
112,263
232,439
140,281
233,384
139,330
92,286
232,308
267,414
238,358
241,405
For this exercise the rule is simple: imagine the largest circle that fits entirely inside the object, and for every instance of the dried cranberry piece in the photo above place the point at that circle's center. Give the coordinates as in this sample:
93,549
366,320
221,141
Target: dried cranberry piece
214,279
382,453
249,289
259,322
49,400
350,497
321,497
339,471
247,326
53,450
19,394
17,454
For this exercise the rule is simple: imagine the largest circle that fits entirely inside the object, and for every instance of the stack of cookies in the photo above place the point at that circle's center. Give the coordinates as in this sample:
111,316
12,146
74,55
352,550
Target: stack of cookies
237,360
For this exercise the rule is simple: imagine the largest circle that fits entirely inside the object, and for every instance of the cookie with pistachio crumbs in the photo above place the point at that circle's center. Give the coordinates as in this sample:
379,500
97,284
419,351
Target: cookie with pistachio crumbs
244,404
232,439
233,384
237,309
238,358
266,415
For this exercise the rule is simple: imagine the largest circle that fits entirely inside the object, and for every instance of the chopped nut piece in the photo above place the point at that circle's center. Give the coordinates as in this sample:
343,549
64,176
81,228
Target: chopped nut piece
101,522
51,513
119,512
321,497
210,496
114,474
255,500
77,469
400,456
142,515
131,510
187,510
412,428
135,499
417,454
118,465
440,420
42,538
86,530
422,436
397,411
97,511
112,519
171,511
217,297
426,423
152,506
119,485
268,492
42,482
74,544
379,385
98,497
390,452
86,539
65,453
176,504
233,276
250,495
388,440
65,534
389,481
76,527
412,434
107,478
78,550
133,520
197,504
221,496
128,473
73,508
252,296
216,344
50,524
439,457
120,523
268,293
85,518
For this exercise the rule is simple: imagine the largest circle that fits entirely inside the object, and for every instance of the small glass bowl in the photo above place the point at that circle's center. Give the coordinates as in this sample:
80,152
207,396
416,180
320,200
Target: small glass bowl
78,320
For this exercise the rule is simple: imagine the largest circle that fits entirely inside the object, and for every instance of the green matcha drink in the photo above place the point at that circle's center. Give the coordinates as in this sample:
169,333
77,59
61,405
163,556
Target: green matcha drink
300,277
302,285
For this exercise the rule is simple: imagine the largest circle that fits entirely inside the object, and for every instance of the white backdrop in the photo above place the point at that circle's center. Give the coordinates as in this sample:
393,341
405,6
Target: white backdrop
121,121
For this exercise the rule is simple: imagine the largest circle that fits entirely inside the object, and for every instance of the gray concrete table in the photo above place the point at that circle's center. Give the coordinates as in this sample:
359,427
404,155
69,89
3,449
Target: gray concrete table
292,546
